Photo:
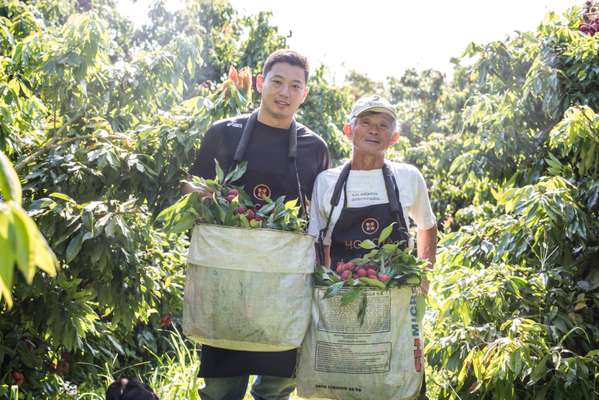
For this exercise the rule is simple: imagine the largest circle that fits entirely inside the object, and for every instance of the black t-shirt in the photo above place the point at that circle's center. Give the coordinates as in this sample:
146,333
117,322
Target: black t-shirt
270,171
267,156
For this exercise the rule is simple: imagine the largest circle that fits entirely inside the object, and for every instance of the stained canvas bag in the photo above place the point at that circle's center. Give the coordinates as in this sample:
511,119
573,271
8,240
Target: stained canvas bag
248,289
380,359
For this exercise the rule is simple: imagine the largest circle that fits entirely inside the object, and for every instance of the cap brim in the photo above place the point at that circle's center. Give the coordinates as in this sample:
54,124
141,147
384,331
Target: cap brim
378,110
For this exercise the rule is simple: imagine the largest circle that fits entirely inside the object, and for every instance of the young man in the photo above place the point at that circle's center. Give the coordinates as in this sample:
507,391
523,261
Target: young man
283,158
373,192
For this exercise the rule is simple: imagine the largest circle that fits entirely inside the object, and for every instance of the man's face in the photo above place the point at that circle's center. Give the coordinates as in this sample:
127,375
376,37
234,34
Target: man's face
283,90
372,133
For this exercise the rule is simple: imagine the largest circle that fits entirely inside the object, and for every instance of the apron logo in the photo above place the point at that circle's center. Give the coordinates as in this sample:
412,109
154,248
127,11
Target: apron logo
352,244
261,191
370,226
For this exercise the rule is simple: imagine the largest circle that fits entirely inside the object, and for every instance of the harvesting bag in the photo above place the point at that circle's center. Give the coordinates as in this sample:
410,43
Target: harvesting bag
380,359
248,289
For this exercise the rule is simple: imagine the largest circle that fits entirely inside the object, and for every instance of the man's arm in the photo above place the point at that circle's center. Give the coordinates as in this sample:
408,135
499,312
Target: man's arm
327,256
203,165
426,243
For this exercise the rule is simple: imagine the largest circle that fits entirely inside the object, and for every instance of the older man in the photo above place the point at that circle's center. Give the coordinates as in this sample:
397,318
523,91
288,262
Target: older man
371,192
370,188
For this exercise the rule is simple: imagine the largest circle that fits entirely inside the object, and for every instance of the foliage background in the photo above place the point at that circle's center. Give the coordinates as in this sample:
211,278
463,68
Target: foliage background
102,121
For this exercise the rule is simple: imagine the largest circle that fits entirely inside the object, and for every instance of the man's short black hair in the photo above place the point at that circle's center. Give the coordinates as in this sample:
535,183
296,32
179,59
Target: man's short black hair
286,56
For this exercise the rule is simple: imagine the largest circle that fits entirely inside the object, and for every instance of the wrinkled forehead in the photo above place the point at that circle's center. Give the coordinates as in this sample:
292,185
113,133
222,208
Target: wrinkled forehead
375,114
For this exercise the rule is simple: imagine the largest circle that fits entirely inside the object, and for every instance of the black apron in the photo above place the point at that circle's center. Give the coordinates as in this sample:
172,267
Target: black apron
260,180
357,224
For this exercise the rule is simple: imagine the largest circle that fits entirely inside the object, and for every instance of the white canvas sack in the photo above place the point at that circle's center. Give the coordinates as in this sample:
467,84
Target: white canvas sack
381,359
248,289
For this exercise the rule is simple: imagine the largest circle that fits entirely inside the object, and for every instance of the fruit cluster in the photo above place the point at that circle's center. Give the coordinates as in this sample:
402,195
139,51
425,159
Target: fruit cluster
217,201
249,212
351,270
240,80
18,377
386,265
590,19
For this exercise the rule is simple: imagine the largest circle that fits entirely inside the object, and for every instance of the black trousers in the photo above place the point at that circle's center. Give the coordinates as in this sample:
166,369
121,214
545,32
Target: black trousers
423,389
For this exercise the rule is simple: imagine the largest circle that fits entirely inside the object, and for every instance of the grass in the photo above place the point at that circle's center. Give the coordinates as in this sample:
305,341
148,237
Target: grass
175,376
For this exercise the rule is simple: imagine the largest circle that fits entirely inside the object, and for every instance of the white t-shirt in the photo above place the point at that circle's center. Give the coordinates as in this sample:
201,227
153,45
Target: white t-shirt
366,188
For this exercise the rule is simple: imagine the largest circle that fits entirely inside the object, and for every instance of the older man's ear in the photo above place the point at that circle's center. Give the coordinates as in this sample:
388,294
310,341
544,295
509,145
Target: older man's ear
394,138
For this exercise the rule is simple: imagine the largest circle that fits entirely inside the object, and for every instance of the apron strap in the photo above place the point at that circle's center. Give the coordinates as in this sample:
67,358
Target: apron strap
244,141
245,138
395,202
247,133
334,202
292,154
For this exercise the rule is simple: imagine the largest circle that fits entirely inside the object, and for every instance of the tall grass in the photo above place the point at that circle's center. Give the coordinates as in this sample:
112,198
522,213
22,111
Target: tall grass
175,376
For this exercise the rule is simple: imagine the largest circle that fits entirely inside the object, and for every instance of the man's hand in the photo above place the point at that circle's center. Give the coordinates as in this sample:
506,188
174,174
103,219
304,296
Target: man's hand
426,242
189,187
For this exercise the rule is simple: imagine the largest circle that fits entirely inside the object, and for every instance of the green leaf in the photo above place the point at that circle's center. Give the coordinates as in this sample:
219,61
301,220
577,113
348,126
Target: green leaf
217,210
63,196
244,199
385,234
20,237
183,225
10,187
220,175
41,254
6,261
390,247
265,209
367,244
539,371
350,296
362,309
74,247
116,344
291,204
237,173
373,282
333,289
244,221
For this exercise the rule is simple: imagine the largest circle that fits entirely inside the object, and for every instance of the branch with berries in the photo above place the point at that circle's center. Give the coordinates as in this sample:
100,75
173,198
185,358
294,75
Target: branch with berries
384,267
217,201
590,18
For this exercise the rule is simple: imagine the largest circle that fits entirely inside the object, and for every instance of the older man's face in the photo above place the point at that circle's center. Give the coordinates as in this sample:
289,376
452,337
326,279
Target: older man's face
373,133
